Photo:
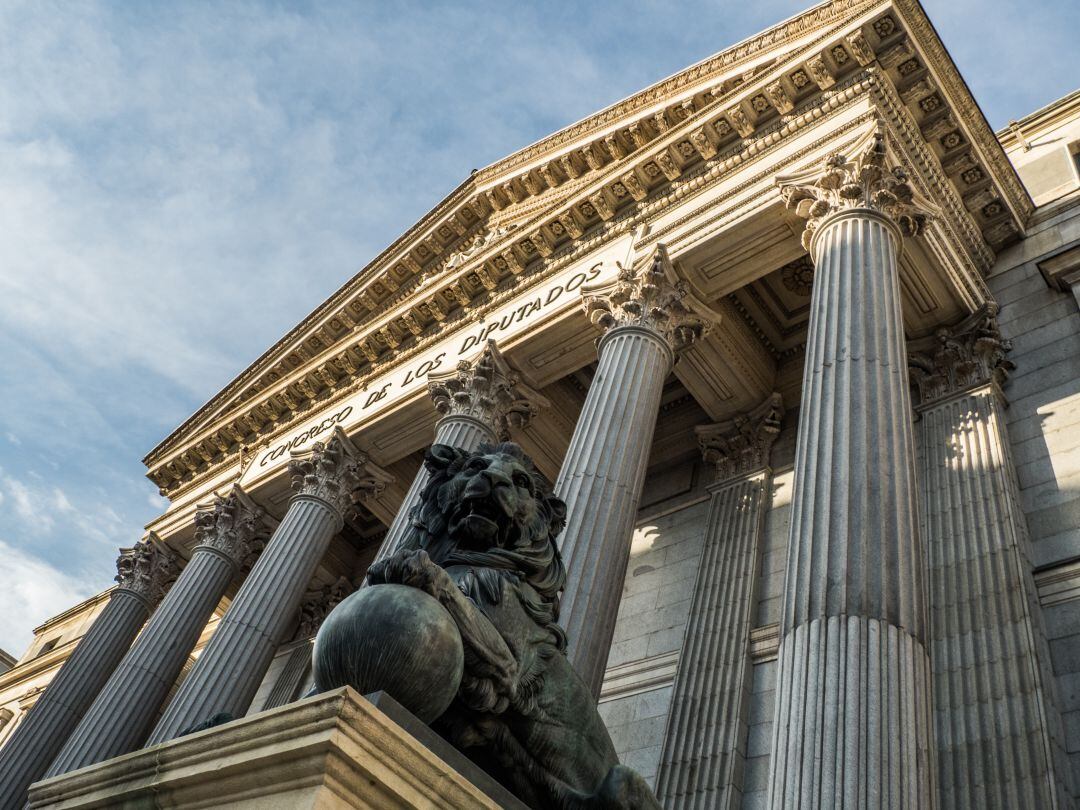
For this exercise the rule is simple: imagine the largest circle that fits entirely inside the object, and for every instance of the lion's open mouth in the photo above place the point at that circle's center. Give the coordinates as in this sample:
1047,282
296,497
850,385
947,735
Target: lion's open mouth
476,522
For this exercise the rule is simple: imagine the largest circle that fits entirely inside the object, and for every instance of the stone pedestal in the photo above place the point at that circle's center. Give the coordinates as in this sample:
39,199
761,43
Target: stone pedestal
335,751
647,317
704,747
480,402
998,725
226,677
122,715
143,574
852,723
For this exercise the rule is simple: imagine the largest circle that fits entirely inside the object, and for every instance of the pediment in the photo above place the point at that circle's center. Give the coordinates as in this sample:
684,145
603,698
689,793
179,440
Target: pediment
503,227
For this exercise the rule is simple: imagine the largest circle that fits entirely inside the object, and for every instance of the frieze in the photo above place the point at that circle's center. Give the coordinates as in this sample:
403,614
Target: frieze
522,312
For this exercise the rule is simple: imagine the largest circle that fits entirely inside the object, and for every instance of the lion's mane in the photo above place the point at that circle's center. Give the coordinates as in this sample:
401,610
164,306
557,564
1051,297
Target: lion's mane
533,557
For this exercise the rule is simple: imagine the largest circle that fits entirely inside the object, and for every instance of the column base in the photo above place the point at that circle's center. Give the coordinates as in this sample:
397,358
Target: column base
335,750
853,727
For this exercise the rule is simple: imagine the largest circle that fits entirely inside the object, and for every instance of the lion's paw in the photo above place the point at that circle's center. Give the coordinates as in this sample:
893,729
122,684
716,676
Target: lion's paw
413,568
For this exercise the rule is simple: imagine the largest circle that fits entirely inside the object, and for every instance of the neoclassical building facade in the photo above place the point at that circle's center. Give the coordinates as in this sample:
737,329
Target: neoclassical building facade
795,335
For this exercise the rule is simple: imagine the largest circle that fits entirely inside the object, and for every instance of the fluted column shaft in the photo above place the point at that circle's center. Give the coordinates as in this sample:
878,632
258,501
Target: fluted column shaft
124,711
701,766
39,737
228,673
998,728
465,432
852,725
600,481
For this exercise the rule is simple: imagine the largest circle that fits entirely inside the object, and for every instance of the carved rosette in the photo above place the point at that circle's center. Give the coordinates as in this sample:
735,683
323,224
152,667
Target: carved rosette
488,390
954,359
741,445
337,473
864,181
231,525
318,604
147,569
652,299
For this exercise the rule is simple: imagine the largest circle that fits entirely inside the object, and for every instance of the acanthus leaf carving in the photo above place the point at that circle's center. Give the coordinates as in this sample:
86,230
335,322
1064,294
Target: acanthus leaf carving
318,604
487,389
337,473
954,359
655,298
147,569
742,445
233,525
864,181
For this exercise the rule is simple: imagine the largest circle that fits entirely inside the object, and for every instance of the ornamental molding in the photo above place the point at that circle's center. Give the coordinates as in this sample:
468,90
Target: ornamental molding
654,296
233,525
317,605
147,569
956,359
408,295
865,180
337,473
488,390
741,446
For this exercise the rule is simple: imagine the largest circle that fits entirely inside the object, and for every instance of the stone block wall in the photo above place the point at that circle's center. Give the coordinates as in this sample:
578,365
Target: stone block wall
1043,422
636,698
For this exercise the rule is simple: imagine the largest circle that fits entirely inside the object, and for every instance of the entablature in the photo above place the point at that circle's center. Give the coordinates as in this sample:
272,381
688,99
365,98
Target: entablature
512,225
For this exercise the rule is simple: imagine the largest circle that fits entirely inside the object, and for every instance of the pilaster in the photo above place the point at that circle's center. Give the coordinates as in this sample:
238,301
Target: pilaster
144,572
704,747
327,481
998,725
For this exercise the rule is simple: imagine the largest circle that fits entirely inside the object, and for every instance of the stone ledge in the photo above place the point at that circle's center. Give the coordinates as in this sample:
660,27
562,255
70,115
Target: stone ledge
335,750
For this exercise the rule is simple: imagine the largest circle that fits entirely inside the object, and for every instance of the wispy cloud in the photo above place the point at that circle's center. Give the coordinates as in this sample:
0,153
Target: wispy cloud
183,182
31,591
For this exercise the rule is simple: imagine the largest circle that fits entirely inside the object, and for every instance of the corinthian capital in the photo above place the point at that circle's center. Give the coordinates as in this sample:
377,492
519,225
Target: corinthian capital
953,359
336,472
318,604
232,525
147,569
741,445
653,297
861,181
488,390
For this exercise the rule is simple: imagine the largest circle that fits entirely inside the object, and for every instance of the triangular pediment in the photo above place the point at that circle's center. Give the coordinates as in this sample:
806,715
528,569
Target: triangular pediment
500,228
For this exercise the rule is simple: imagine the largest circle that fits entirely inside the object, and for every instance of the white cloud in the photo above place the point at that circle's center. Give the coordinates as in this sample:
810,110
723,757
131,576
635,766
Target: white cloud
31,591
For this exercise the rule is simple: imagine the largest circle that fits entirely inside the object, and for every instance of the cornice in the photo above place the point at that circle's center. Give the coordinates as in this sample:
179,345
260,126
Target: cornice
567,216
1046,117
971,114
709,68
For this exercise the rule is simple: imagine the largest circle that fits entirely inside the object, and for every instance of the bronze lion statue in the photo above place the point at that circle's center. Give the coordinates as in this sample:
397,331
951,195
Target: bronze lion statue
483,544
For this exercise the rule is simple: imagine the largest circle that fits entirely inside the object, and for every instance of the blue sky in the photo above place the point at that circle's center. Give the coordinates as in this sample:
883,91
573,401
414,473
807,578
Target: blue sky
180,183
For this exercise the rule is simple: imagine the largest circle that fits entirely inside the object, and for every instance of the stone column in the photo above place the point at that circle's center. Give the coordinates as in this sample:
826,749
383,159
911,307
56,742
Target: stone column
852,722
999,729
143,573
124,711
647,316
314,609
480,402
327,480
701,767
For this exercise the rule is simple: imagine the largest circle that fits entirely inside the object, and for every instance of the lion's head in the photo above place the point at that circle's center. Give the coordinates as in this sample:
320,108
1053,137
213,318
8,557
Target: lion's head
492,509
